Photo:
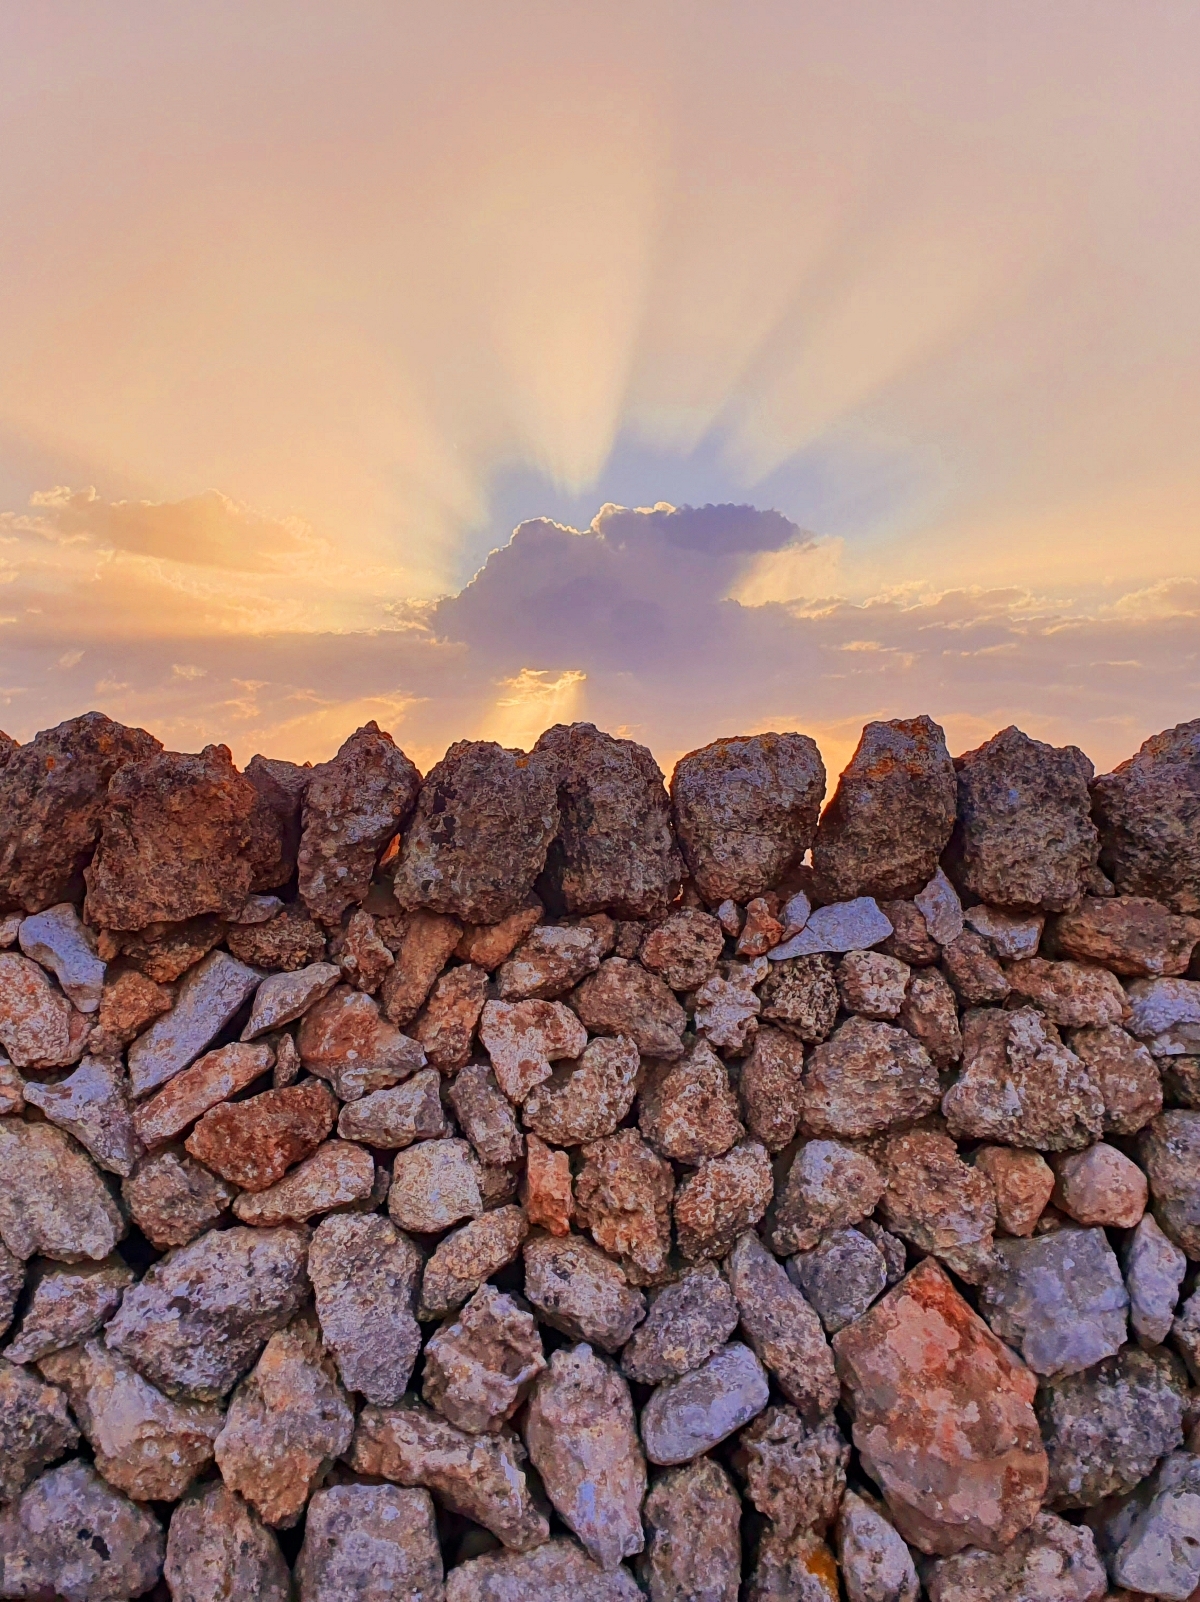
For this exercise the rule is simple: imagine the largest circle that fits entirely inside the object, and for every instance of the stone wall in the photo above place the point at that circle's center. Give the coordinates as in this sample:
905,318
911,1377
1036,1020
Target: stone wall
530,1181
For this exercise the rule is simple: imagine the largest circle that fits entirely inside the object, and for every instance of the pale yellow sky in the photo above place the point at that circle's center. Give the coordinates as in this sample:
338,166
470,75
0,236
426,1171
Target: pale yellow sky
303,308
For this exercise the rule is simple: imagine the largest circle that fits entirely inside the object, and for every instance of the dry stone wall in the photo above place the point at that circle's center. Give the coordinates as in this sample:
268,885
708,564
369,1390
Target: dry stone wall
529,1180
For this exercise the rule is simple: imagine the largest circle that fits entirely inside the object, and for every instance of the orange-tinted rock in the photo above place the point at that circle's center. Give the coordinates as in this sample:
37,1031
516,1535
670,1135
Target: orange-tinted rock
172,1198
253,1143
353,805
285,943
930,1015
1148,809
1130,935
1124,1073
164,951
468,1256
1100,1186
128,1002
975,974
621,998
585,1099
523,1038
684,949
427,942
761,930
865,1079
214,1079
943,1417
39,1028
623,1196
218,1550
687,1109
275,823
722,1197
546,1187
361,955
771,1088
345,1040
487,945
1023,1182
336,1174
938,1203
1021,1086
1074,995
446,1027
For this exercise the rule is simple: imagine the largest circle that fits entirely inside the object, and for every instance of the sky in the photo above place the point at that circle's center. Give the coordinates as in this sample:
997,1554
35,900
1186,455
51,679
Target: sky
694,369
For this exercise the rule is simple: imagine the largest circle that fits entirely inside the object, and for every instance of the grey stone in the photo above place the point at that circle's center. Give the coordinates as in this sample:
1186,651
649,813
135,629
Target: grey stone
685,1324
59,941
12,1280
209,995
35,1429
867,1078
93,1105
1169,1152
942,910
1051,1561
398,1116
795,1472
284,997
580,1291
1161,1553
486,1116
1059,1299
801,996
364,1275
172,1198
1021,1086
842,926
218,1551
840,1277
1148,810
559,1571
876,1564
1154,1270
828,1186
53,1200
1011,935
370,1543
688,1416
480,1364
73,1537
1166,1014
693,1541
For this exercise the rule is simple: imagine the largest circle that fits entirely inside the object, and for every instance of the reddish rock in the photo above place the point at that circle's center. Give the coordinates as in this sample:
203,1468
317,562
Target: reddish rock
771,1088
398,1116
486,1116
35,1428
370,1542
344,1039
872,984
189,1095
975,974
66,1306
1022,1181
487,945
362,956
580,1291
1148,810
687,1109
353,805
891,814
52,798
929,1014
523,1038
1100,1186
623,1196
745,812
782,1328
39,1028
164,951
726,1007
484,822
1124,1073
614,851
867,1078
285,943
546,1187
1130,935
938,1203
801,996
364,1275
426,944
254,1143
53,1201
336,1174
724,1196
761,930
551,959
587,1099
128,1002
172,1198
275,824
621,998
1069,993
480,1365
943,1417
468,1256
434,1184
218,1550
693,1540
1021,1086
210,995
828,1186
910,940
446,1028
684,949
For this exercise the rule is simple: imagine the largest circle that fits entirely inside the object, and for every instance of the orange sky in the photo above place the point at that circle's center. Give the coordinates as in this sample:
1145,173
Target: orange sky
304,308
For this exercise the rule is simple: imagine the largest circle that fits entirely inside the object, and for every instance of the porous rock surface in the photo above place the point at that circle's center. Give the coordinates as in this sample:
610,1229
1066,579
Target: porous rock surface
590,1162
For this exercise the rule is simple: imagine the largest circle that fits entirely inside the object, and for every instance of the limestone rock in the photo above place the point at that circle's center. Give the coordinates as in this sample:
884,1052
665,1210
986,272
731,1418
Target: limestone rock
1052,1560
128,1002
398,1116
147,1445
688,1416
487,945
1058,1299
73,1537
206,1084
546,1188
1125,1074
1147,810
876,1565
364,959
172,1198
684,948
621,998
1169,1150
468,1256
1024,840
795,1473
840,1277
523,1038
587,1099
1023,1183
1100,1186
345,1040
840,926
199,1318
1011,936
288,1421
285,943
623,1196
938,1203
693,1542
686,1322
484,821
370,1543
865,1079
559,1571
771,1088
943,1417
446,1027
1106,1429
486,1116
66,1305
480,1365
1021,1086
218,1550
782,1328
580,1291
53,1200
828,1186
35,1429
929,1013
724,1196
1154,1270
479,1476
93,1105
427,942
891,814
939,905
1072,994
39,1028
687,1108
59,941
337,1173
1161,1553
364,1275
872,984
209,996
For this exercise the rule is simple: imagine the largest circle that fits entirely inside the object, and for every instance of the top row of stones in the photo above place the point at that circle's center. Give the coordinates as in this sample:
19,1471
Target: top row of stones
586,820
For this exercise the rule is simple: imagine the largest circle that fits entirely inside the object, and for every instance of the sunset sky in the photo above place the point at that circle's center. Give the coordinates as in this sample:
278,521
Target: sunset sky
304,308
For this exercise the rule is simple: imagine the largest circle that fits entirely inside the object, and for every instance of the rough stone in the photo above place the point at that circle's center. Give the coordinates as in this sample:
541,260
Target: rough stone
1010,936
876,1564
162,952
71,1536
943,1417
939,905
12,1088
1161,1553
253,1143
486,1115
621,998
435,1184
782,1327
487,945
687,1109
370,1543
1052,1561
193,1092
1023,1183
580,1291
1069,993
35,1429
910,940
172,1198
480,1365
38,1026
284,997
12,1282
686,1322
623,1195
1020,1085
1100,1186
285,943
484,822
199,1318
1169,1152
745,812
209,996
771,1088
1125,1074
523,1039
693,1547
891,814
66,1305
59,941
549,961
1154,1270
1106,1429
446,1026
364,1275
840,1277
337,1173
559,1571
218,1551
345,1040
930,1015
546,1188
1058,1299
684,949
688,1416
938,1203
1130,935
801,996
872,984
275,823
398,1116
795,1472
977,978
614,851
479,1476
93,1105
128,1003
726,1007
1165,1013
288,1421
146,1444
828,1186
587,1100
468,1256
761,930
841,926
794,1568
1148,810
1024,840
363,958
867,1078
53,1200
